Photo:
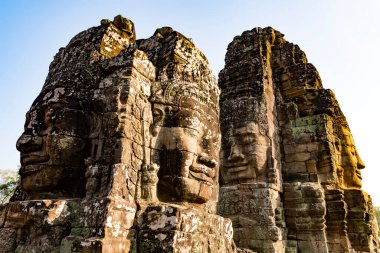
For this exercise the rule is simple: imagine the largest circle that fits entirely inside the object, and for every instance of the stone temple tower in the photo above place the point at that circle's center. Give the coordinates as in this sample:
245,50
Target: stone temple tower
133,146
120,150
290,171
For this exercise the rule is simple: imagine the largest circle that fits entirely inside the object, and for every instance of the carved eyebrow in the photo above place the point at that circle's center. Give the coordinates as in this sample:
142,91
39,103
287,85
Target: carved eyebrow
190,130
59,103
244,131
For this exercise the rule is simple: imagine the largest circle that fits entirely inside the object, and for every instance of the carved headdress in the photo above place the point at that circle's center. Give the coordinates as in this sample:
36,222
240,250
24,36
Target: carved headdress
182,93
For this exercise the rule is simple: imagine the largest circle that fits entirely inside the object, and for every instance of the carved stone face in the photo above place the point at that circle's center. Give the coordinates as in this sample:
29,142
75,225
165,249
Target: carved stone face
53,146
244,157
186,147
349,161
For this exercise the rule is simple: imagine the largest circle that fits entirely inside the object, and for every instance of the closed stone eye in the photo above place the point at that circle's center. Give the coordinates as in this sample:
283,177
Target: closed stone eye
247,139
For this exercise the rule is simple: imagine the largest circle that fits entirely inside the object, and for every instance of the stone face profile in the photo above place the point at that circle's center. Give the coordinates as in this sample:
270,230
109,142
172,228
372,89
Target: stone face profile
301,191
133,146
348,161
53,146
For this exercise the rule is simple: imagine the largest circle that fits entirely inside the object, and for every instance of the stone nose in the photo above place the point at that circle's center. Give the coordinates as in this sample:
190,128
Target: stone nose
235,154
207,160
29,143
360,163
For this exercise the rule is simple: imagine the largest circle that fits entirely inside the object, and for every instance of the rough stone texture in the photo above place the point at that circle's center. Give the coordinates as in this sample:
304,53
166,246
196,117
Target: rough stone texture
185,128
124,137
256,216
284,135
361,224
120,152
178,229
251,151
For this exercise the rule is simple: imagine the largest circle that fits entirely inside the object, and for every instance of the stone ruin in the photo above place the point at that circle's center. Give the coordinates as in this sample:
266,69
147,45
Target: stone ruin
290,171
121,149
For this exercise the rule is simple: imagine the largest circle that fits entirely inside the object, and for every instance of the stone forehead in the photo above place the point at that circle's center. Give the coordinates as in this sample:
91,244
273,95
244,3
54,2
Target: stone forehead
186,117
250,127
62,95
241,109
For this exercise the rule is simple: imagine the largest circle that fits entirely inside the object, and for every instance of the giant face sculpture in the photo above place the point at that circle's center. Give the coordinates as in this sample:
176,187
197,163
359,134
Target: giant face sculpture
244,155
55,143
186,145
349,162
53,146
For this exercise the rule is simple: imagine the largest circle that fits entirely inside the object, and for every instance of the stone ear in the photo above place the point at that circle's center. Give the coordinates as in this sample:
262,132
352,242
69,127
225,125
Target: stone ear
153,130
95,124
158,116
270,158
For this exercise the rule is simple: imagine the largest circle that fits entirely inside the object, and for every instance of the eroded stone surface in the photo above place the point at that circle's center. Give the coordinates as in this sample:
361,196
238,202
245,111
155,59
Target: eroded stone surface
178,229
284,134
121,152
184,143
185,132
120,134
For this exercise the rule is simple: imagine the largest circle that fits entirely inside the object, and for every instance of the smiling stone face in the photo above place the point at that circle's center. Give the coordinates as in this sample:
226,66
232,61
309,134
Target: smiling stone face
348,161
186,145
53,146
244,157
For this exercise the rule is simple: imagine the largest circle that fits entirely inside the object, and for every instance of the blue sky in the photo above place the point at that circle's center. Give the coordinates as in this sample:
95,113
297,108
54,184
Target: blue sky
339,37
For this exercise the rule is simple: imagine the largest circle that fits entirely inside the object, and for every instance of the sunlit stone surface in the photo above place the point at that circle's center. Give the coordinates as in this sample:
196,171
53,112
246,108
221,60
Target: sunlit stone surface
290,170
131,146
121,150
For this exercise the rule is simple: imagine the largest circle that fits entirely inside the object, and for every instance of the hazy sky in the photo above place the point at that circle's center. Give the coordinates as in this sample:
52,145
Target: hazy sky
341,38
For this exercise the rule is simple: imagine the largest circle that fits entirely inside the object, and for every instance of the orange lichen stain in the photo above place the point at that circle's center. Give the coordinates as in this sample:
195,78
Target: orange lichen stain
113,42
